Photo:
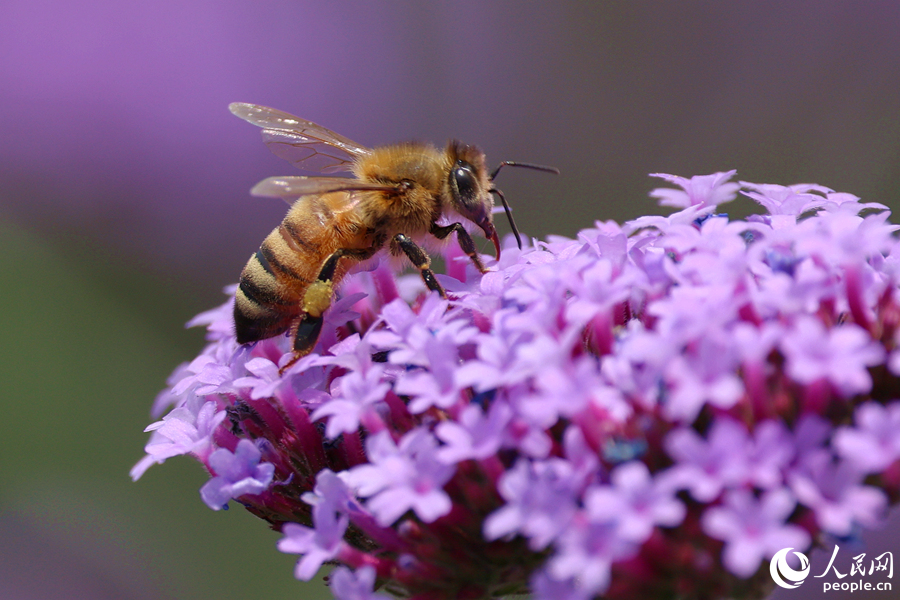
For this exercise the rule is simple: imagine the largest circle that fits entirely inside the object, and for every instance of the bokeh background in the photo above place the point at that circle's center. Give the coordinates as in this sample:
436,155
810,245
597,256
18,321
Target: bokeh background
124,205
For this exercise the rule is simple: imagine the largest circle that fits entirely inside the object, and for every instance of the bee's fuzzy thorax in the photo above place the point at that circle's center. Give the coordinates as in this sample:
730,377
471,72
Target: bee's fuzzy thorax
412,161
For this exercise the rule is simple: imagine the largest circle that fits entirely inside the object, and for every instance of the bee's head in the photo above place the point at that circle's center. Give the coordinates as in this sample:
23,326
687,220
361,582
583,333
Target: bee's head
470,188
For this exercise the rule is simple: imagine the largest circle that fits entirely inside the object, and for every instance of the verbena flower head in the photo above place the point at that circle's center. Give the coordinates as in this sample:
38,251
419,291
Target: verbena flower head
648,410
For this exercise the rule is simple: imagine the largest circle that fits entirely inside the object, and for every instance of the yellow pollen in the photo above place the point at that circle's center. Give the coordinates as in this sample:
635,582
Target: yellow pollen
318,298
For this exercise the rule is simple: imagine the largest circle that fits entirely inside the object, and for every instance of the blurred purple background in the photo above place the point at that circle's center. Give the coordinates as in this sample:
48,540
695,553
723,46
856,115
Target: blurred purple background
116,141
115,122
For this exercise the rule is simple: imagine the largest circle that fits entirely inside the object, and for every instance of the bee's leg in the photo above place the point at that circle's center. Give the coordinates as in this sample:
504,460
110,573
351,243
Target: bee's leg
464,239
419,258
316,301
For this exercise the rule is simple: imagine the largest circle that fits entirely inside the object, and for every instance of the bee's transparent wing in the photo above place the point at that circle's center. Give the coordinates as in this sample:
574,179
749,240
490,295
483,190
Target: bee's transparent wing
290,189
302,143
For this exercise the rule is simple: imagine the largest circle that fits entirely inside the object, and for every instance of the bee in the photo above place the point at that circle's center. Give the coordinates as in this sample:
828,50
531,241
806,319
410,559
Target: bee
394,200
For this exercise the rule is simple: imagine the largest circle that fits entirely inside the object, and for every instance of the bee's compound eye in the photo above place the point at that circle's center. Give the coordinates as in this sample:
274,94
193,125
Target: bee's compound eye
464,180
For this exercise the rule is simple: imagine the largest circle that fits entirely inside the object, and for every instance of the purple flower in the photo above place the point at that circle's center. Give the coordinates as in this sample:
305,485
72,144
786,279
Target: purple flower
702,190
792,200
265,381
355,585
475,435
564,390
317,545
540,502
236,474
705,376
799,291
689,313
811,435
497,363
167,398
754,344
219,321
402,477
181,432
536,430
834,491
586,552
403,324
706,467
333,493
547,588
636,366
434,385
873,444
841,237
635,501
355,395
585,464
207,375
753,529
772,451
663,225
839,355
598,288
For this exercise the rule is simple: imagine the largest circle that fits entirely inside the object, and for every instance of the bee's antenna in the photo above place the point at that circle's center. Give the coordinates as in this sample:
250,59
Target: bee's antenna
494,190
513,163
509,216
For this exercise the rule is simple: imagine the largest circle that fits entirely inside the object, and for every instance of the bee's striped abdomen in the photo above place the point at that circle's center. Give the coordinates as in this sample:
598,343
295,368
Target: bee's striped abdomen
266,301
273,285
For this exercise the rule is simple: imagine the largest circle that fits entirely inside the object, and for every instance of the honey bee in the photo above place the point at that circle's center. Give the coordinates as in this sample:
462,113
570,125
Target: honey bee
396,197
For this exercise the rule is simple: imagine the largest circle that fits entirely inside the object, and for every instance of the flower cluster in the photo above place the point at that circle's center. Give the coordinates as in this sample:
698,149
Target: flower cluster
651,409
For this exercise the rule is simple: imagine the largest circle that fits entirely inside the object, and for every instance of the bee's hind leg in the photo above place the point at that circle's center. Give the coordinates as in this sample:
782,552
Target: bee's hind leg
419,258
316,301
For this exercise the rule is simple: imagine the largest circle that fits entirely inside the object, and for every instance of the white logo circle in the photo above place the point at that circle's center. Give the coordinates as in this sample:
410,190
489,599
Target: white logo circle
779,567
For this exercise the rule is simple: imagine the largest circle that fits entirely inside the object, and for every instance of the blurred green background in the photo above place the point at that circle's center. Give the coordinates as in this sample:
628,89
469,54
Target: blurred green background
124,205
89,342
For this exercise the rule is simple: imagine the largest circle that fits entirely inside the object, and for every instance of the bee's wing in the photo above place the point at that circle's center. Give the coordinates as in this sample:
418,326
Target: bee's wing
302,143
291,188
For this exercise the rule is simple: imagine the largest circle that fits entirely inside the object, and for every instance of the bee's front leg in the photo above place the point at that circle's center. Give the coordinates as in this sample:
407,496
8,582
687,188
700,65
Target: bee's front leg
464,239
419,258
